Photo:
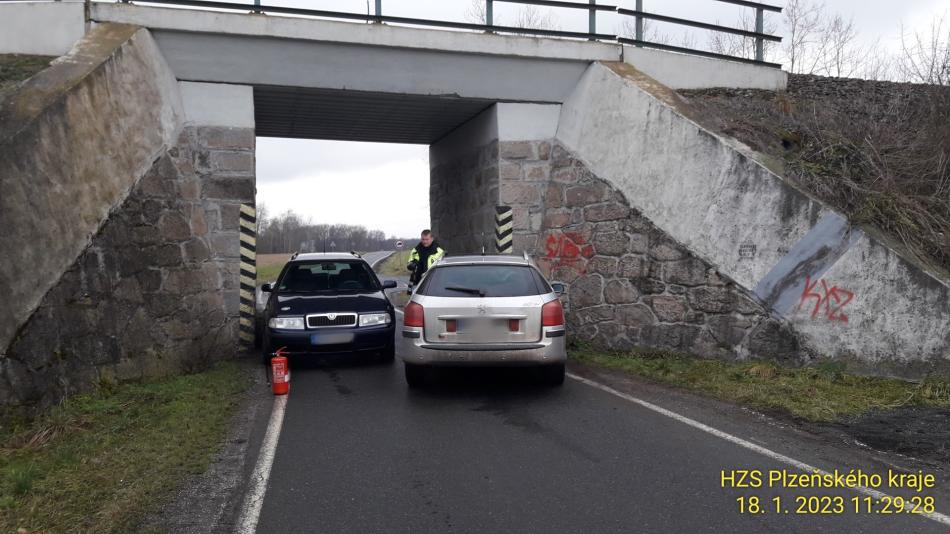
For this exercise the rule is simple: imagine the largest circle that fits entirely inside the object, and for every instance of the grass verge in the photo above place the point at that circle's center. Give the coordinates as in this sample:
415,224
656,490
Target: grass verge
15,68
101,462
819,393
394,265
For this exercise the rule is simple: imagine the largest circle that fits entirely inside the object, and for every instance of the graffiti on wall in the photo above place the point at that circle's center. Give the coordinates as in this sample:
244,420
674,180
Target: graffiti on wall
829,302
567,250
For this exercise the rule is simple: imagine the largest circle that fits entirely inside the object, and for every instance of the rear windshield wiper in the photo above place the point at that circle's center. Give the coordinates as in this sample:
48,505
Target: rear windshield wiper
471,290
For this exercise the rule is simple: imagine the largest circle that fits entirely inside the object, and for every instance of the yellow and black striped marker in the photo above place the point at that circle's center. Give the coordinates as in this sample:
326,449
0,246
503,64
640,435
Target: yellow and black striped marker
248,271
504,224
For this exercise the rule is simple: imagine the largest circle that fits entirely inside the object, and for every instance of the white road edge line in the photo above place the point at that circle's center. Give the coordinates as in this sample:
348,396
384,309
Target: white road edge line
935,516
254,498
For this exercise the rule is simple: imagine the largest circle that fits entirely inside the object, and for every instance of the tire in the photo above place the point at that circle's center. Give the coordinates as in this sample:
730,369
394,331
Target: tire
415,375
551,375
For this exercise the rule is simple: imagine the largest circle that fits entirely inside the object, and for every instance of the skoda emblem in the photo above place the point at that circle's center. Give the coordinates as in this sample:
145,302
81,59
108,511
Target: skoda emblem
481,309
331,316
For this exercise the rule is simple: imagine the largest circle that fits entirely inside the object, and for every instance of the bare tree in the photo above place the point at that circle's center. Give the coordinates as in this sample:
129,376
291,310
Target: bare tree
801,45
839,55
651,32
528,17
739,46
477,12
925,56
262,218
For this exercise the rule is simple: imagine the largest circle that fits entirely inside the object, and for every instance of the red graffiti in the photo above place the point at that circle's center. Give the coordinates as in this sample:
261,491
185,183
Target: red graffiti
568,249
828,301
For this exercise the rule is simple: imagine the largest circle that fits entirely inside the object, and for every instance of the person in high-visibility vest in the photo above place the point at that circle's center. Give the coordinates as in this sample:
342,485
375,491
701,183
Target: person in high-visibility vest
423,256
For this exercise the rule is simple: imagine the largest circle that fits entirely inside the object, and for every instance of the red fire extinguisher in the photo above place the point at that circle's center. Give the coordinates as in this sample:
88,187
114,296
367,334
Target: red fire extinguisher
280,372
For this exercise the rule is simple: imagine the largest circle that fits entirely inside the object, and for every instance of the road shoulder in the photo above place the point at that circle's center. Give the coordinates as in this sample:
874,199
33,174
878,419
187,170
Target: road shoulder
819,445
211,501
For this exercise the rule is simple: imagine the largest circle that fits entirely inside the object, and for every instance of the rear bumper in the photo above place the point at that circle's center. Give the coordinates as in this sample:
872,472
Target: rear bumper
551,349
332,340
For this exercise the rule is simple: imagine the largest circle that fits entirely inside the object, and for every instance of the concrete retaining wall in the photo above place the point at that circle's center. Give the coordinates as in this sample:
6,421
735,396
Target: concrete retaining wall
72,144
845,294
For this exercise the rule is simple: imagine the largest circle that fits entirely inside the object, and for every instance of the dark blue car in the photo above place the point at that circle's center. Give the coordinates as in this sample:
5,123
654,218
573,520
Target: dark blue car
328,303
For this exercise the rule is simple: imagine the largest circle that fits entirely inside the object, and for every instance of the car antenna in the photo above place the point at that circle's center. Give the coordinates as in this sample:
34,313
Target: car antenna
353,252
483,250
294,255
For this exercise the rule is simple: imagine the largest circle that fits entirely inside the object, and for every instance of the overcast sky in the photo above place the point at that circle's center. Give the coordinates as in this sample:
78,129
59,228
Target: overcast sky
386,186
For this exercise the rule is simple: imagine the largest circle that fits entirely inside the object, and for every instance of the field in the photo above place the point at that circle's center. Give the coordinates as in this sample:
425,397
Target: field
269,266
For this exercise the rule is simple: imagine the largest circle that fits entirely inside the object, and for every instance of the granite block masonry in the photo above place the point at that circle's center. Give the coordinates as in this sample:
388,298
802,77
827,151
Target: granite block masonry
156,293
629,283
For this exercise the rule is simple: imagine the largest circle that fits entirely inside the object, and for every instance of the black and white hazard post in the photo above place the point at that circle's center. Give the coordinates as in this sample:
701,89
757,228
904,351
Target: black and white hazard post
503,229
248,272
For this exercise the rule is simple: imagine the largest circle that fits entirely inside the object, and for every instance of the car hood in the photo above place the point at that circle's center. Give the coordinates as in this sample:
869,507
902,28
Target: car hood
306,304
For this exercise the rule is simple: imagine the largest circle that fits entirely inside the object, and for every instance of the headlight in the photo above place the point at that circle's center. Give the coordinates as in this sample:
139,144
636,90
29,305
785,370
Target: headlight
286,323
372,319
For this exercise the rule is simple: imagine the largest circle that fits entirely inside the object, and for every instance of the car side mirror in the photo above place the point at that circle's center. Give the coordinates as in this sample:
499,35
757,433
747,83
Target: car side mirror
267,288
389,284
559,288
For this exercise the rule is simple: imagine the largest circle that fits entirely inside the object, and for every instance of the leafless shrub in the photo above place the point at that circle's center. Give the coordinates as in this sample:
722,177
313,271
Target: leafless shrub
528,17
925,56
651,31
739,46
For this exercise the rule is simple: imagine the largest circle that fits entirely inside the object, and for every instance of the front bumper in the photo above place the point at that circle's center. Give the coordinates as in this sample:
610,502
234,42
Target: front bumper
551,349
332,340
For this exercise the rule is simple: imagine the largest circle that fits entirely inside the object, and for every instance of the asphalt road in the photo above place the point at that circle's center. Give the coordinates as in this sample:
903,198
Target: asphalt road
489,451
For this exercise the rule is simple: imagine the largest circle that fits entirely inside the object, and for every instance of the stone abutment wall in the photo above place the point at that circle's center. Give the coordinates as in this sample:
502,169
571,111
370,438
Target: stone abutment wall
464,193
156,292
630,284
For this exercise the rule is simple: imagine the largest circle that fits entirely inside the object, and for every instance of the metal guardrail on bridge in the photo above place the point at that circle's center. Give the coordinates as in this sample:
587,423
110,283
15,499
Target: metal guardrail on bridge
592,7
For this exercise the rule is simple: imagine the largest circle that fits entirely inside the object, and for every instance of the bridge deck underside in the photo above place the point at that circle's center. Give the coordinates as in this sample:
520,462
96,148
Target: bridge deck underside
359,116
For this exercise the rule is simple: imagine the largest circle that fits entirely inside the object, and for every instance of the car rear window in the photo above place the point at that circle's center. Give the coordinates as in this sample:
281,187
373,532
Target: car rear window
483,280
327,276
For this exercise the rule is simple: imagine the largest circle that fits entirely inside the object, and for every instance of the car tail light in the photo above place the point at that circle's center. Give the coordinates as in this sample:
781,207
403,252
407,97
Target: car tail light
451,325
414,315
514,325
552,314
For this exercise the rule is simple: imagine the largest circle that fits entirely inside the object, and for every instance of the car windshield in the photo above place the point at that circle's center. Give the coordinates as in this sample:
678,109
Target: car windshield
483,281
327,276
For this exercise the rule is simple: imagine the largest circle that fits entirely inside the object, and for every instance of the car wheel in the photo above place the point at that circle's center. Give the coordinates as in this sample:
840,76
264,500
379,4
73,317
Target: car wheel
415,375
552,375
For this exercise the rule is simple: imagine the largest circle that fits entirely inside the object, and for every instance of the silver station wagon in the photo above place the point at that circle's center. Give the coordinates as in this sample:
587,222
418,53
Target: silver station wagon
484,311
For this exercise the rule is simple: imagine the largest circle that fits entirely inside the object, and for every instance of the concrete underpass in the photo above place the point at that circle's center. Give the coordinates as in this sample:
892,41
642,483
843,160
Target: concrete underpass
668,235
